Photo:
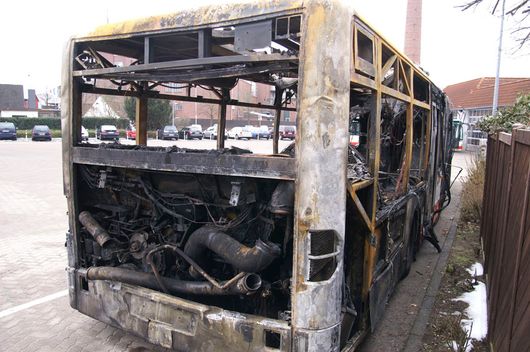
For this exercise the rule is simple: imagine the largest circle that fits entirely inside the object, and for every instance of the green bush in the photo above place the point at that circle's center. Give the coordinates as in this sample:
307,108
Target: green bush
505,119
93,122
473,190
27,123
24,133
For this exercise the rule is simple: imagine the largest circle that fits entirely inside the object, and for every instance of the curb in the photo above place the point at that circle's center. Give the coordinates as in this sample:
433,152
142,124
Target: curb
414,341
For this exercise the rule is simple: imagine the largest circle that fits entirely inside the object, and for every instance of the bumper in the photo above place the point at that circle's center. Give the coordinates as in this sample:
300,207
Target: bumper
41,138
176,323
168,136
11,136
109,136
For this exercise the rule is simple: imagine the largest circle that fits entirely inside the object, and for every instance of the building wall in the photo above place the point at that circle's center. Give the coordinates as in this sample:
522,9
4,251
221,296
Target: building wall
19,113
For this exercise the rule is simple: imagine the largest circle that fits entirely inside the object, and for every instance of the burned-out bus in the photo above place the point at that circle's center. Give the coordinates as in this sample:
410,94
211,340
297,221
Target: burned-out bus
224,249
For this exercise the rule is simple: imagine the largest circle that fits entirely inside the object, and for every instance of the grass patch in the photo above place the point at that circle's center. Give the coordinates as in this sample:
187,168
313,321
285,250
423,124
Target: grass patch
473,191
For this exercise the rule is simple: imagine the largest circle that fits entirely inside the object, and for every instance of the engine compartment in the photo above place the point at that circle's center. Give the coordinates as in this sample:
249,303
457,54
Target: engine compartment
218,240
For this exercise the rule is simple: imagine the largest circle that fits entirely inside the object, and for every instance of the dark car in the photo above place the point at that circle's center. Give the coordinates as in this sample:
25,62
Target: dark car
287,132
8,131
41,132
168,132
109,132
260,132
190,133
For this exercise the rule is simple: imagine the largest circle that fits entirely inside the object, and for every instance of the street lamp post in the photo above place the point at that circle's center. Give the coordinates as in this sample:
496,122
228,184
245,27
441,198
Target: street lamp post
499,55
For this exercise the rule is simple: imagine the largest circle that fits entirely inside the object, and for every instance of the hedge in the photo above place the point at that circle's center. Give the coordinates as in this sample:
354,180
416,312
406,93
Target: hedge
54,123
27,123
93,122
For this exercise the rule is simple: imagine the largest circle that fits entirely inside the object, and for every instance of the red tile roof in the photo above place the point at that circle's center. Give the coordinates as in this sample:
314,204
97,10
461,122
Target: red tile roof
478,92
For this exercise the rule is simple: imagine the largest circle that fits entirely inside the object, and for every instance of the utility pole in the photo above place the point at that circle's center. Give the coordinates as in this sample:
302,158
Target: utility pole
499,54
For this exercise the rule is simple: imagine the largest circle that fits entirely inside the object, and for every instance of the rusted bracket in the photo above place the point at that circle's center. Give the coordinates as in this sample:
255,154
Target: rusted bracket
352,190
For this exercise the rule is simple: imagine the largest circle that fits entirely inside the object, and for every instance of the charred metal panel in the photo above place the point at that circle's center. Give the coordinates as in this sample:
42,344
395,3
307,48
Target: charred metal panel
177,323
211,163
321,149
206,15
253,36
70,119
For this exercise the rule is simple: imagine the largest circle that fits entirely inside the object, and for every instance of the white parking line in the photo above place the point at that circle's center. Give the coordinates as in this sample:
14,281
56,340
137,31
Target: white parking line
30,304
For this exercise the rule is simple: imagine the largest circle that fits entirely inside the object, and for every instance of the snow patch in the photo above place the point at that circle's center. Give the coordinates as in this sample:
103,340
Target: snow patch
477,312
476,270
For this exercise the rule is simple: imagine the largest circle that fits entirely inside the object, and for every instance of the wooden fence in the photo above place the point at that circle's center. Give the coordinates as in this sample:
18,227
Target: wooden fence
505,232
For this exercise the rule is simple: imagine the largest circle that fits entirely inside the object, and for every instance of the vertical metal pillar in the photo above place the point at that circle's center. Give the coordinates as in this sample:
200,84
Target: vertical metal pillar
321,156
221,125
141,118
278,94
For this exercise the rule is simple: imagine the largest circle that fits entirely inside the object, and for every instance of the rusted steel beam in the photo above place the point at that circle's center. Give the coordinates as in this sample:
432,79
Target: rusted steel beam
373,241
408,144
200,75
390,62
248,165
189,63
156,95
361,184
363,81
361,209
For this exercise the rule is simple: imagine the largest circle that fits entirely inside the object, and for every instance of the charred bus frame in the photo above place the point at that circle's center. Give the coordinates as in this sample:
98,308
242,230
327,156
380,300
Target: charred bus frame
321,262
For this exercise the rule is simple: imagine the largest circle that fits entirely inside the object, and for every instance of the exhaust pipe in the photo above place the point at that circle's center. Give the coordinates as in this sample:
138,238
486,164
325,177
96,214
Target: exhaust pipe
237,254
246,285
94,228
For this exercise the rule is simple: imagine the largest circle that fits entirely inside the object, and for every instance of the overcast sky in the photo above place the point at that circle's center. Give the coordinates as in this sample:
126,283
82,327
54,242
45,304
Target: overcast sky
456,46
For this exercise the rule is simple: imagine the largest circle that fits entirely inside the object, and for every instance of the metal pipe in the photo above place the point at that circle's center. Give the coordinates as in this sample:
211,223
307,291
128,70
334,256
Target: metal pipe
237,254
246,285
94,228
497,73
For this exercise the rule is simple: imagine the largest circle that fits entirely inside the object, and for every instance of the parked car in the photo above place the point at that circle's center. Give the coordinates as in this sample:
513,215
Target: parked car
260,132
84,134
130,132
287,132
211,132
109,132
191,132
168,132
41,132
8,131
240,132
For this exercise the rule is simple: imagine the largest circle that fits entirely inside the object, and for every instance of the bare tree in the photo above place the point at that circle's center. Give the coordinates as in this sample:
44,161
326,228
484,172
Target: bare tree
518,9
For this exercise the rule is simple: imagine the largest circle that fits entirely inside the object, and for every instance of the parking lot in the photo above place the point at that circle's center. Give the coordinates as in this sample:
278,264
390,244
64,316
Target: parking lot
34,310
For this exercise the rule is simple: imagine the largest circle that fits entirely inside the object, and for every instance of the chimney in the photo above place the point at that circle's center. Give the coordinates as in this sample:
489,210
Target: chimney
32,99
413,31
